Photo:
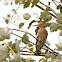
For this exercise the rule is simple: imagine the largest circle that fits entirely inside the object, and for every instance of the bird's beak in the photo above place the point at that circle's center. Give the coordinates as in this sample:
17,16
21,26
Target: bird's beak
35,25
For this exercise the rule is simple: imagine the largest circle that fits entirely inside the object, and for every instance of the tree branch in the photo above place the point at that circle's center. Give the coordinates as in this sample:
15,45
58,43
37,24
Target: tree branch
51,50
31,54
29,41
54,2
45,10
48,8
33,43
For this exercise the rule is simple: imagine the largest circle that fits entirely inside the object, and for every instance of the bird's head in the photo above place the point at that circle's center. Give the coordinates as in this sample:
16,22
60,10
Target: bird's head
41,24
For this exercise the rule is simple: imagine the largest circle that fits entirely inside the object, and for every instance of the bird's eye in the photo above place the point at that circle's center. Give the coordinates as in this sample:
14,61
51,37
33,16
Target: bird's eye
40,24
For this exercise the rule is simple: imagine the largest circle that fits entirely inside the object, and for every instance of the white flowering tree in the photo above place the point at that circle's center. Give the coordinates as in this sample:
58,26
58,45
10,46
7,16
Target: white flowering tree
16,41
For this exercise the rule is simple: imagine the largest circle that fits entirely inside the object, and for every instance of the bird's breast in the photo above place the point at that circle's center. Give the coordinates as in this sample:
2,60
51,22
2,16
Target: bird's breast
42,33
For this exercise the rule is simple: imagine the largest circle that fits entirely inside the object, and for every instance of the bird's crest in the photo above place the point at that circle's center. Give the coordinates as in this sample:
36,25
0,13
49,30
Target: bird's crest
43,22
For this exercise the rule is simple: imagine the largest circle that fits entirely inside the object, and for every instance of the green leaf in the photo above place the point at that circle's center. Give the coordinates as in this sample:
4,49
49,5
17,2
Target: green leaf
45,15
59,21
47,24
23,59
31,23
59,47
17,45
30,45
13,46
15,58
59,56
7,18
6,21
44,60
34,2
26,4
53,56
3,52
48,43
61,33
10,44
5,33
2,38
53,27
30,60
48,55
6,61
16,2
49,17
31,49
60,26
21,24
61,9
40,17
58,7
59,18
26,37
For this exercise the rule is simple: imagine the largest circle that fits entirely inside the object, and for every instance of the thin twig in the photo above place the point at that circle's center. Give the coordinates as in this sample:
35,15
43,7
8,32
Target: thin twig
45,10
54,2
31,54
49,8
10,49
51,49
25,32
15,11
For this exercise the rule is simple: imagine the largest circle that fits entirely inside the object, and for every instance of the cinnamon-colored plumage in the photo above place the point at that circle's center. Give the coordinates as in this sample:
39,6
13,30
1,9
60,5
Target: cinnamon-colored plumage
41,36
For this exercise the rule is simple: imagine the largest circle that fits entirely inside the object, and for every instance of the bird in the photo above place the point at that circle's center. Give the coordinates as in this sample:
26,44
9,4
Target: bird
41,36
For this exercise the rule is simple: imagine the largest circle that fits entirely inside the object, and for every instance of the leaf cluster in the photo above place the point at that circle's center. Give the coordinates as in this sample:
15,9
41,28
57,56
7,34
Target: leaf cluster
45,15
60,8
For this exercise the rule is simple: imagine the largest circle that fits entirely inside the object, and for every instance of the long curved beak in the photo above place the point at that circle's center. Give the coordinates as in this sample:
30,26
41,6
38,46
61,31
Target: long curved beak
35,25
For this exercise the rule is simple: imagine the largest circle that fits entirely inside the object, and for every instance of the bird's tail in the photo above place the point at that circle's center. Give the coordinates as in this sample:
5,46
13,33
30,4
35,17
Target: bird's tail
39,45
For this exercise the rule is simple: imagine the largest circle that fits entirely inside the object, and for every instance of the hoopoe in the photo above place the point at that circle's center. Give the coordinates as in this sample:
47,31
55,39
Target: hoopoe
41,36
